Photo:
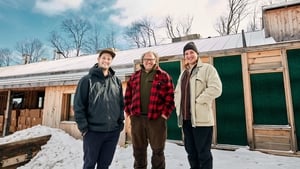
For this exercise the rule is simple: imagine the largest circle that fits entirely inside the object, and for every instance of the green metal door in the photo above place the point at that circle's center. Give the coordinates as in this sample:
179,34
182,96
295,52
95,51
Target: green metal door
268,99
230,110
173,68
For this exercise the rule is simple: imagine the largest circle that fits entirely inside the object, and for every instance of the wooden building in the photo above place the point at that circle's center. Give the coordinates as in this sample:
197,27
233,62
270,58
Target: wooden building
259,106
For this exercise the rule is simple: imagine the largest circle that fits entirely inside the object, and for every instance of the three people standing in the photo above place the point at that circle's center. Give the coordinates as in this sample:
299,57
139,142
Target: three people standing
198,85
149,102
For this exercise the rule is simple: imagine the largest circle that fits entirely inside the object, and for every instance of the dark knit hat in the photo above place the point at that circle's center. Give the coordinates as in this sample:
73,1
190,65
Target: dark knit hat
190,45
108,50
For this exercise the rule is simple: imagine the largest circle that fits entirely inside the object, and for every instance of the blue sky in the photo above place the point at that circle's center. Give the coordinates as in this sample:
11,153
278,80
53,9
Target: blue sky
28,19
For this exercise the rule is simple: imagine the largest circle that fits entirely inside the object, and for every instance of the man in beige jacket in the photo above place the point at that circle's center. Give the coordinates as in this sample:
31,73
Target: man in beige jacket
198,85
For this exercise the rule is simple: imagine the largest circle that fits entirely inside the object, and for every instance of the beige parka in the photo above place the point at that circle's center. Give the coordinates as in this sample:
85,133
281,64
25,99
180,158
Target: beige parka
205,86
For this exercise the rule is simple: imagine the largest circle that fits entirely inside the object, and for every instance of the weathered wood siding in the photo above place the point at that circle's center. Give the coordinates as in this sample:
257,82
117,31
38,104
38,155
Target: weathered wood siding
272,137
282,24
53,104
71,128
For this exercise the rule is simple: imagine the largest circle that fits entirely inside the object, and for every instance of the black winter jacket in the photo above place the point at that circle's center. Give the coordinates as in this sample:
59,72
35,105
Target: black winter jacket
98,102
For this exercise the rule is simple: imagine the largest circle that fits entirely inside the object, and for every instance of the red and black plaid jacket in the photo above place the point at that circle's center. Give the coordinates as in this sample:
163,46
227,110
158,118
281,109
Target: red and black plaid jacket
161,95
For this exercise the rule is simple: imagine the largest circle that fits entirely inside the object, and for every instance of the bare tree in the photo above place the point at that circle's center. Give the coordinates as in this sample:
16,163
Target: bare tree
60,44
94,41
110,40
181,28
5,57
147,26
141,33
132,34
253,23
236,13
75,30
31,50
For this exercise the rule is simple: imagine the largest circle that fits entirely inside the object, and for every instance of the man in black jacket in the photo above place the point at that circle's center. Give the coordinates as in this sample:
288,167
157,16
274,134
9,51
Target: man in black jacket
99,112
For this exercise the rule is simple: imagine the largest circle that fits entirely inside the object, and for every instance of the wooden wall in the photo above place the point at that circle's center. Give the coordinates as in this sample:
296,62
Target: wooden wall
53,104
268,135
282,23
53,107
272,137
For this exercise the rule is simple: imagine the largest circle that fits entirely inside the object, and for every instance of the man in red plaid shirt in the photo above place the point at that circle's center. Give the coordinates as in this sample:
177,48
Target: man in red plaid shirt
149,102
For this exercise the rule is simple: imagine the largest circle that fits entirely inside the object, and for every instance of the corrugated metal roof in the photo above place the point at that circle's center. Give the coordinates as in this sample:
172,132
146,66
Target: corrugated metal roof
71,69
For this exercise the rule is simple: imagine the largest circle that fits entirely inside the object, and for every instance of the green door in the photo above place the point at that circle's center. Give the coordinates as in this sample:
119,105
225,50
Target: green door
268,99
173,68
230,110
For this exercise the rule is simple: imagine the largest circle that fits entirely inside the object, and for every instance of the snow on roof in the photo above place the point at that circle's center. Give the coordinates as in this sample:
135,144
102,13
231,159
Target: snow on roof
68,66
281,5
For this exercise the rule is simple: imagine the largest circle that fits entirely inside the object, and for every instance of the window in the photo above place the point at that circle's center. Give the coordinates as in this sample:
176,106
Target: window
68,111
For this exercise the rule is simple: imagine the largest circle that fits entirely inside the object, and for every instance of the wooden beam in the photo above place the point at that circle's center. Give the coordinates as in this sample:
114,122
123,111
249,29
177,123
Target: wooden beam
13,153
210,60
289,102
265,66
247,100
7,114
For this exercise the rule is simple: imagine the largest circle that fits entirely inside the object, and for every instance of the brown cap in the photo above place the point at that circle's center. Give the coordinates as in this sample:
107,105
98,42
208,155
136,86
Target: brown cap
108,50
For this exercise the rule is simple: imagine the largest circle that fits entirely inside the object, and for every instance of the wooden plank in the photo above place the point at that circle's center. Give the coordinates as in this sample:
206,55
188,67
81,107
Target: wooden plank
7,114
215,127
71,128
266,71
289,102
263,54
273,146
275,137
272,139
247,100
269,59
28,146
205,59
14,160
278,132
265,66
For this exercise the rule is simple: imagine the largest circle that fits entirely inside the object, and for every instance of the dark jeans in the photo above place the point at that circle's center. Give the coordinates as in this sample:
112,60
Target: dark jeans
154,131
99,148
197,143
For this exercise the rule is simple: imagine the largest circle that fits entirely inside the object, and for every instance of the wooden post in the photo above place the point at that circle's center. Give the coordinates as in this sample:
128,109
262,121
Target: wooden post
7,115
215,127
289,101
248,100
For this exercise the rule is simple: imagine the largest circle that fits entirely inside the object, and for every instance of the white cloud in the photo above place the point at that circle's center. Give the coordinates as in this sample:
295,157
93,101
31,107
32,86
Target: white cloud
55,7
205,12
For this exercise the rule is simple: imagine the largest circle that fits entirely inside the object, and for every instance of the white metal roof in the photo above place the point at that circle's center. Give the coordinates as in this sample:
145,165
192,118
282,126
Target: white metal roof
281,5
71,69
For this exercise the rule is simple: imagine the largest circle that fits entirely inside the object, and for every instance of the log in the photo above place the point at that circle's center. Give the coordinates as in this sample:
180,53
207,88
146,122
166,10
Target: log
15,154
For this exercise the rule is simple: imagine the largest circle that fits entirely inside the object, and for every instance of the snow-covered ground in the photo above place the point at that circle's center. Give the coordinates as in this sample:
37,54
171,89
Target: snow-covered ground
64,152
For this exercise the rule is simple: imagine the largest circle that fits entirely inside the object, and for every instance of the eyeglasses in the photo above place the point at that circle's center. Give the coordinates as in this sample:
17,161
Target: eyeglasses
146,60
